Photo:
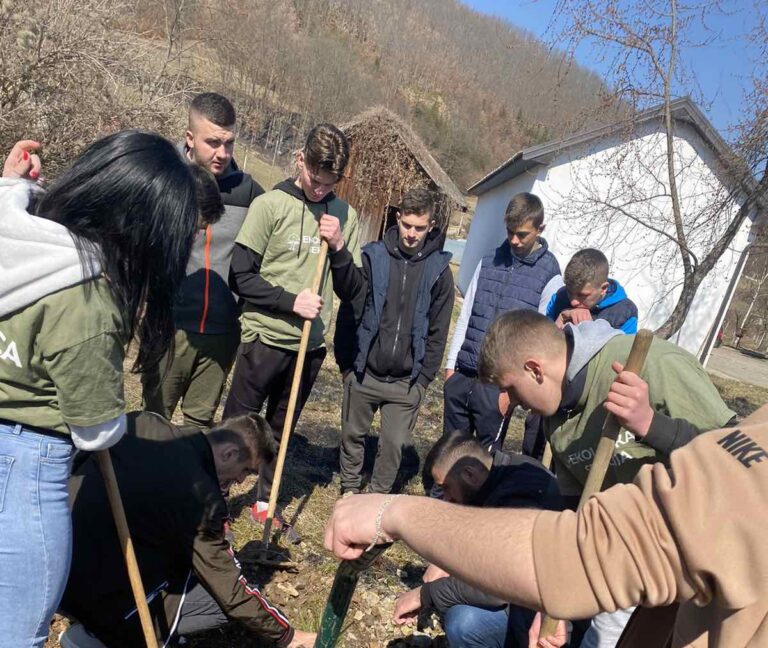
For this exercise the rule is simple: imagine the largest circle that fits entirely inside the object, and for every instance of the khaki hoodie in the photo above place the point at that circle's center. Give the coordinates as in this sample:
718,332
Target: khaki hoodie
694,533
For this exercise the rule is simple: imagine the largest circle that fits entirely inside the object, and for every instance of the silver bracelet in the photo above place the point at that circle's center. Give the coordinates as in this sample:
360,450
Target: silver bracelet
379,535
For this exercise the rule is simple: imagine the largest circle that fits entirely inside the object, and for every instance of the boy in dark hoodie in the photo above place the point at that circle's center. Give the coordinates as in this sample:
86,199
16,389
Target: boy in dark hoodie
272,267
469,475
566,376
390,342
590,294
205,313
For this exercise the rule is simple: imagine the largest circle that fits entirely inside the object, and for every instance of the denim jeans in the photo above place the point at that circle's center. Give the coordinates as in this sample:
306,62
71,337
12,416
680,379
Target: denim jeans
35,533
467,626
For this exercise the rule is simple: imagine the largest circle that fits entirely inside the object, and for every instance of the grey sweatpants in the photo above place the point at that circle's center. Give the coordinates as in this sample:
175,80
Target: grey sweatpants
199,611
399,404
606,628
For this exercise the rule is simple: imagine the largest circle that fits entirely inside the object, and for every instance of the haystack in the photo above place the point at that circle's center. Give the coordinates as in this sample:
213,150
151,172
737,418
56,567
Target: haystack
387,159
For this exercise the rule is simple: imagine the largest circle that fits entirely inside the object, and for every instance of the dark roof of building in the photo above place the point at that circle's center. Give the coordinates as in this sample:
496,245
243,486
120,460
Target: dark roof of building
683,110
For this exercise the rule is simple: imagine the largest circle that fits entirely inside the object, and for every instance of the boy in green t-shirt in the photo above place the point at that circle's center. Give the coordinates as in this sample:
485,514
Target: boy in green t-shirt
273,264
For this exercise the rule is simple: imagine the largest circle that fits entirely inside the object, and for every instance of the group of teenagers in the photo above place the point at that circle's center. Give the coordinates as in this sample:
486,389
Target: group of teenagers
177,250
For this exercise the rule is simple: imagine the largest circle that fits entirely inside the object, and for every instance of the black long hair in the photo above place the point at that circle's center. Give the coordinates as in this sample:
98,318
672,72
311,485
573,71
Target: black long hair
130,199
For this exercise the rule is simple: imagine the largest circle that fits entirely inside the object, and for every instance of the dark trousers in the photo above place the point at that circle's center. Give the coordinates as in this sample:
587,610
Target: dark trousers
399,403
199,611
534,440
264,373
472,407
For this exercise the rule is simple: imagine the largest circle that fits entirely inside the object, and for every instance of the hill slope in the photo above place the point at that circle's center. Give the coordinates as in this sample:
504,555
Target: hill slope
474,87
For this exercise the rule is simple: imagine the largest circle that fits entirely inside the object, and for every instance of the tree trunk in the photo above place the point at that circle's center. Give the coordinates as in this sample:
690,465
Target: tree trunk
677,318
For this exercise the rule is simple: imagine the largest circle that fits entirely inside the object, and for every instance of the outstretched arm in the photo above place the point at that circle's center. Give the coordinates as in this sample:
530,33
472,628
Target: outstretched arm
419,520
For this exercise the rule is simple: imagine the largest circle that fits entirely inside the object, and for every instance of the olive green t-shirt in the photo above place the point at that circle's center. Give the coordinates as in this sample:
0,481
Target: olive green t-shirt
285,232
61,359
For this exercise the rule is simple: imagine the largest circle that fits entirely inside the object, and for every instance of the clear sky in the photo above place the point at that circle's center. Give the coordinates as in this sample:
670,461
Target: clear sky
722,67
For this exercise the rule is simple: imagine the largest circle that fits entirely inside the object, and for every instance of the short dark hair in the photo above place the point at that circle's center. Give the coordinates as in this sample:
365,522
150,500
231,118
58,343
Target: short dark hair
250,433
210,207
449,449
327,149
418,201
586,266
129,198
522,208
215,108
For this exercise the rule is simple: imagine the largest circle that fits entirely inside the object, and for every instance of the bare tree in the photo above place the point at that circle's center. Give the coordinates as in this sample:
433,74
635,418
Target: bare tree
71,70
641,42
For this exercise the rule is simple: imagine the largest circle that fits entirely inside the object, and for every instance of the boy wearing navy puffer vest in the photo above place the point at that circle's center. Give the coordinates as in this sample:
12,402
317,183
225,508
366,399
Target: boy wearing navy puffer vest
513,277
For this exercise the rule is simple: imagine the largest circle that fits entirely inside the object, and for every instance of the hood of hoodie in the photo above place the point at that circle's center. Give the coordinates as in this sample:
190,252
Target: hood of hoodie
430,244
613,295
289,186
586,340
39,256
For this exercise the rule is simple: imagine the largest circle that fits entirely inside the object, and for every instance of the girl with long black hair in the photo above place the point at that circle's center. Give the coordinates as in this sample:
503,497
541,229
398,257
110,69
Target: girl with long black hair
85,267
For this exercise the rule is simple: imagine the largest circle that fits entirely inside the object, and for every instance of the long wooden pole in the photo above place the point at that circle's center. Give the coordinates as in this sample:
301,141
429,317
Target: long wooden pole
606,445
293,397
118,512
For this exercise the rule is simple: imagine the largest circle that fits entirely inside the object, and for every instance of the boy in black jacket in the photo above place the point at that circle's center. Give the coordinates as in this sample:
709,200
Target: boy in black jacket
389,342
468,474
172,482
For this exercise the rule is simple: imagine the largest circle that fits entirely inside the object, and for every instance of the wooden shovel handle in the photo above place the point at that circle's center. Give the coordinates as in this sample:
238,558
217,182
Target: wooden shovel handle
293,397
118,512
606,445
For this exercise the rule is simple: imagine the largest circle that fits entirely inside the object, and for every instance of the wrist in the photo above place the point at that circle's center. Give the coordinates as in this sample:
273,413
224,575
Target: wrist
391,517
644,424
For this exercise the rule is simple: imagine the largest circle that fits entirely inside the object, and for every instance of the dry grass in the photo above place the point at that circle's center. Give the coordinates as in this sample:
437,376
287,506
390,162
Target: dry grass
262,171
309,491
743,398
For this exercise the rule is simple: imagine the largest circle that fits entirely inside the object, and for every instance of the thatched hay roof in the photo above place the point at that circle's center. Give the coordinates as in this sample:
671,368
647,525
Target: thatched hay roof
384,118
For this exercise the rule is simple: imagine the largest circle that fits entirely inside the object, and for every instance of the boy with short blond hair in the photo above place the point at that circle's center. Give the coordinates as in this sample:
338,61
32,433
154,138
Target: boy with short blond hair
565,376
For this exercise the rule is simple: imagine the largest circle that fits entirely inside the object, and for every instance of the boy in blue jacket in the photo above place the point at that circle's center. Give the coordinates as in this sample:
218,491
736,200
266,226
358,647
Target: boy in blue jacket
589,294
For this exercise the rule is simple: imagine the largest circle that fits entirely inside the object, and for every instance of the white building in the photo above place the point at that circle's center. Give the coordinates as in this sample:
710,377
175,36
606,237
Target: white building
607,188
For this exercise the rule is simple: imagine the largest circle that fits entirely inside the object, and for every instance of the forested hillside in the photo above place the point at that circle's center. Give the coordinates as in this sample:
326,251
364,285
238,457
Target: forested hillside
475,88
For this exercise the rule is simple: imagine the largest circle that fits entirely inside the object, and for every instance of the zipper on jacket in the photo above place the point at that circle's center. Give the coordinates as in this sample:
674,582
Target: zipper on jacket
208,239
400,309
